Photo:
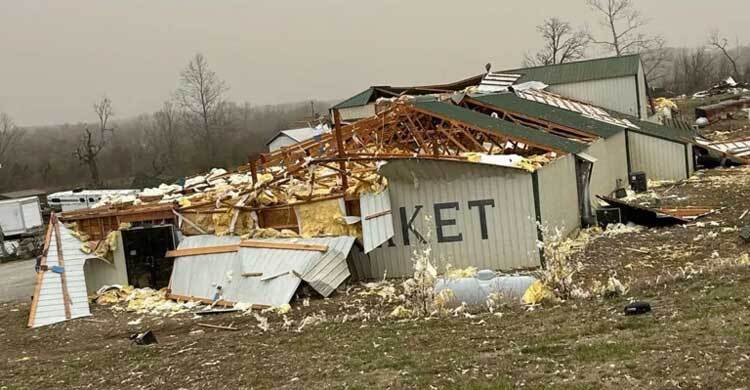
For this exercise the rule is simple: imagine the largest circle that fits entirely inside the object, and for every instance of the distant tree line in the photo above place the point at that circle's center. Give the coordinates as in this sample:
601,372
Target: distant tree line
674,71
195,130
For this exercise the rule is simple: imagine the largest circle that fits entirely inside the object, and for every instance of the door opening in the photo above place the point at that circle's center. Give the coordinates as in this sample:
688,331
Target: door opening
145,247
584,166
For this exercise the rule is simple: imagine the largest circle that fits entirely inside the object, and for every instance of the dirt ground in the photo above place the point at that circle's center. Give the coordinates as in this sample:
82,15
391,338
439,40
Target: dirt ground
697,336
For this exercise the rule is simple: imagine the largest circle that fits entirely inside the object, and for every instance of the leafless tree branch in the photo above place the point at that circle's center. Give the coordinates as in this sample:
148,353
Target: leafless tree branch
91,143
561,44
722,43
10,134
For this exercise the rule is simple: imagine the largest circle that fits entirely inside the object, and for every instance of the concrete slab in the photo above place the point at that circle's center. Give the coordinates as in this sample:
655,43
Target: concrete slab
17,280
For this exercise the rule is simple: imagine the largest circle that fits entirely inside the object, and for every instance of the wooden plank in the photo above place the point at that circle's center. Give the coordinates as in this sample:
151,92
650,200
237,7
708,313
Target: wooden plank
206,250
284,245
217,327
251,274
40,275
380,214
61,263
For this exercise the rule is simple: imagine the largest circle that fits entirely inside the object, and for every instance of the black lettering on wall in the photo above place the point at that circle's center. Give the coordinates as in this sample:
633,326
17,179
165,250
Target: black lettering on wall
481,204
440,222
406,227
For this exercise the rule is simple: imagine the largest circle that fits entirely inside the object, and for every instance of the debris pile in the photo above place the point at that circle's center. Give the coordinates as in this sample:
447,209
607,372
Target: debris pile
142,301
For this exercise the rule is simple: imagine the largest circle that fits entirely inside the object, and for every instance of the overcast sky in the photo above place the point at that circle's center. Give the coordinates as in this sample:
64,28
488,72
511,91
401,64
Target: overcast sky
57,57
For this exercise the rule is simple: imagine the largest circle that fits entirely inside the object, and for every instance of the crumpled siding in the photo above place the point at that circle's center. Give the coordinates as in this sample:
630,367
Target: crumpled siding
283,270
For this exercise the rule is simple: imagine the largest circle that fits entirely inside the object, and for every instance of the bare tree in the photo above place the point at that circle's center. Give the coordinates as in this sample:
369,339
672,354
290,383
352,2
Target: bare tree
721,43
92,142
165,134
562,44
10,134
624,24
201,95
693,70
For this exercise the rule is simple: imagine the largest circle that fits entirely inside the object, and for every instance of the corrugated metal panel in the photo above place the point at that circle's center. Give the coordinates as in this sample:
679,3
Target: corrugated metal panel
558,195
506,240
200,276
584,109
50,308
357,112
497,81
618,94
379,229
534,109
642,96
612,164
660,159
737,147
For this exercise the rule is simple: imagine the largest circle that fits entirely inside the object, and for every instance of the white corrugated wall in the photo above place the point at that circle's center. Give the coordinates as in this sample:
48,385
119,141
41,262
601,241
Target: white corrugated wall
659,158
358,112
558,195
643,96
510,226
100,273
612,164
50,307
617,94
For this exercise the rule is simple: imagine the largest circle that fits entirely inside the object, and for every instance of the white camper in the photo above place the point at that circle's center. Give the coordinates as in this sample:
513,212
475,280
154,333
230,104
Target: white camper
83,199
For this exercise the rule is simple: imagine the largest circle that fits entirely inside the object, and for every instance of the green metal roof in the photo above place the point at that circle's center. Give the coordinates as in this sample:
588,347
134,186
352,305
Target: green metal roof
505,128
373,93
513,103
655,129
573,72
359,99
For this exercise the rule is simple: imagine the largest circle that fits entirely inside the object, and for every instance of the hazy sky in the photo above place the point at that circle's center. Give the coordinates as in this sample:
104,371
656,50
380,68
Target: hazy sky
58,56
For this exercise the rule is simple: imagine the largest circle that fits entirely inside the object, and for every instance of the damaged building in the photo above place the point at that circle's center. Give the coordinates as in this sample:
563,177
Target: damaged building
476,174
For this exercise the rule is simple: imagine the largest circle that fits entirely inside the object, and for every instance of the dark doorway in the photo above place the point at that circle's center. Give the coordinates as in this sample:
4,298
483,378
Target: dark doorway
584,166
145,248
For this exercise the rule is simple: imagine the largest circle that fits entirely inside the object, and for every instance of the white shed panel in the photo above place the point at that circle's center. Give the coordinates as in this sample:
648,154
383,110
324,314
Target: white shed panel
618,94
558,195
472,214
358,112
48,306
612,164
377,219
660,159
282,270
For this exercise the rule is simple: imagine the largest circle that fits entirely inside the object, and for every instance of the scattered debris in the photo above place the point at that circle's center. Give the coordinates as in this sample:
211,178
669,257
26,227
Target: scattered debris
636,308
145,338
221,327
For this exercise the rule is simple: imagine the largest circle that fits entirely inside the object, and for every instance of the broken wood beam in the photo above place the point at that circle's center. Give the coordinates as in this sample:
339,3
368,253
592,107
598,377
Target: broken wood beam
380,214
206,250
251,274
284,245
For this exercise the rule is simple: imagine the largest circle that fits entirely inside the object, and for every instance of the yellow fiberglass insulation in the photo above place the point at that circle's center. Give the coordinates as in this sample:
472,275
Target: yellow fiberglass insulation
204,221
324,218
221,222
245,223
